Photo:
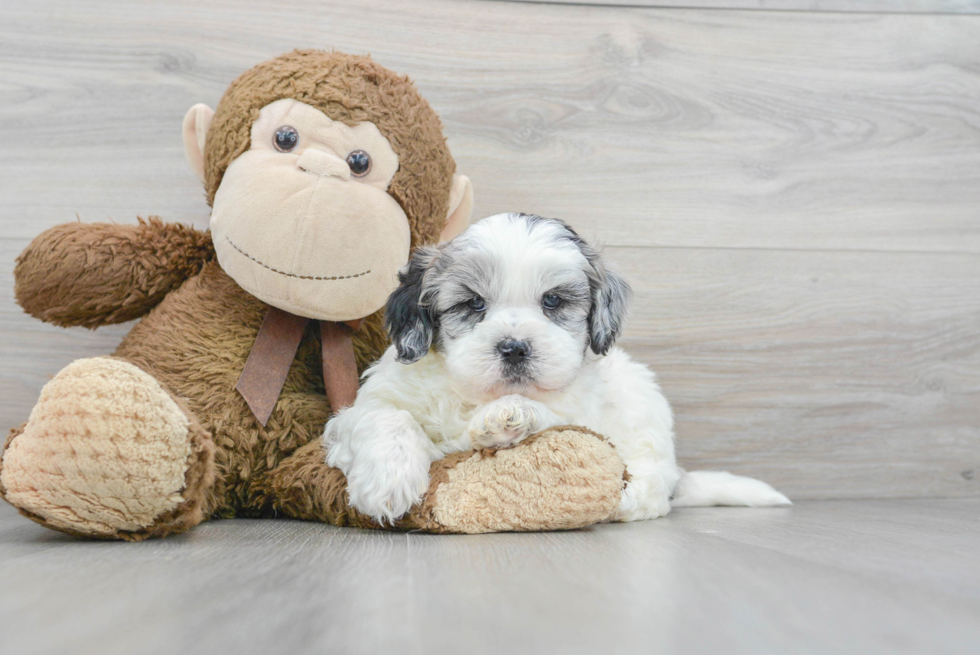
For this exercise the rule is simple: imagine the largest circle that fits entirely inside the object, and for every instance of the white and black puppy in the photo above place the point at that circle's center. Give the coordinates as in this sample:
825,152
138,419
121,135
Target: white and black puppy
505,331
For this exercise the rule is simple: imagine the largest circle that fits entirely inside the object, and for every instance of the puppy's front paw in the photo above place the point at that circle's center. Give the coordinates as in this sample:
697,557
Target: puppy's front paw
384,456
505,422
385,488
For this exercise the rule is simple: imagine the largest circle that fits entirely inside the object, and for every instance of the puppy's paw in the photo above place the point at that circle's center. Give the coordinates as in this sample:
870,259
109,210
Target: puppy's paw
645,497
386,464
506,421
386,488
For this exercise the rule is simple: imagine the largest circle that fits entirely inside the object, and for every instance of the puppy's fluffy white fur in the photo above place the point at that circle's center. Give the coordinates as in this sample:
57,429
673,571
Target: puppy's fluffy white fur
504,332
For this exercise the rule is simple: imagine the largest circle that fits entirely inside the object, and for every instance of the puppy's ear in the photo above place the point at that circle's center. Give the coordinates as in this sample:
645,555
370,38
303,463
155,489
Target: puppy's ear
411,323
611,296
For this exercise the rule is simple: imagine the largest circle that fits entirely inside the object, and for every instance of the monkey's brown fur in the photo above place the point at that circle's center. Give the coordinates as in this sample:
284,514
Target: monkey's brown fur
198,327
88,275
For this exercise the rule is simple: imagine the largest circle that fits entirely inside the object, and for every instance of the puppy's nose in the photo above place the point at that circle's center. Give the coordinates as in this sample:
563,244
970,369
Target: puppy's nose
513,351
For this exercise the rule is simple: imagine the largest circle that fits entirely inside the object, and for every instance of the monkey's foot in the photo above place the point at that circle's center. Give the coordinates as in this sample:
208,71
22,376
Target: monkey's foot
107,452
560,479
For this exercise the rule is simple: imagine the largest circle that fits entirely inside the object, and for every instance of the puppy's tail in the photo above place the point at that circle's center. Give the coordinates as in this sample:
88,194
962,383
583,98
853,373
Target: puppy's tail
709,488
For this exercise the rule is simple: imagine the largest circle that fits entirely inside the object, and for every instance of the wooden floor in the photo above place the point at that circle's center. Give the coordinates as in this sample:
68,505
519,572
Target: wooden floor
820,577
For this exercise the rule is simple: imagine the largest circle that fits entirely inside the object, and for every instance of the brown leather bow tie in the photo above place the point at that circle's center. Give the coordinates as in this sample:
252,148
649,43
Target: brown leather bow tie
274,350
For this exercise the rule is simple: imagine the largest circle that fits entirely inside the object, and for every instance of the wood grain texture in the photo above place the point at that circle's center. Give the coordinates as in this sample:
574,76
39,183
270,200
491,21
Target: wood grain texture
828,374
849,6
838,576
796,196
651,127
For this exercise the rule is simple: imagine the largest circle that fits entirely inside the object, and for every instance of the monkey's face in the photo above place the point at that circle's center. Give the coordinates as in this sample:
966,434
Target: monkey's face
303,219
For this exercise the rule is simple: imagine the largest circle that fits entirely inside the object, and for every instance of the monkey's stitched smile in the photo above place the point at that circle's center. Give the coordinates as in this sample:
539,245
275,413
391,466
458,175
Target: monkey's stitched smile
300,277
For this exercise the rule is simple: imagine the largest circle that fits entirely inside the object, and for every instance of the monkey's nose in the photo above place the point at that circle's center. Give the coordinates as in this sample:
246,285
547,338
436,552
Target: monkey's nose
513,351
323,163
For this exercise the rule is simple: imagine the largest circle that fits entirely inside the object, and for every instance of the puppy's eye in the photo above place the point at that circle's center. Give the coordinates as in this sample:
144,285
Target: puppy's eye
477,304
359,162
285,139
551,301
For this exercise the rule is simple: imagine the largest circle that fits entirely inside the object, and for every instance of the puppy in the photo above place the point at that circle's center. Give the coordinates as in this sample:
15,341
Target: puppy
505,331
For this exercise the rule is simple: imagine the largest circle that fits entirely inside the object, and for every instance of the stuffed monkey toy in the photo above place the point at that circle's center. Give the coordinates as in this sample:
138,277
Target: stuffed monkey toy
322,171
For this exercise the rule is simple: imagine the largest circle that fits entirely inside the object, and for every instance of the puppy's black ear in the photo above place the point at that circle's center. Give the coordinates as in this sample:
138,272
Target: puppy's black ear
611,296
409,321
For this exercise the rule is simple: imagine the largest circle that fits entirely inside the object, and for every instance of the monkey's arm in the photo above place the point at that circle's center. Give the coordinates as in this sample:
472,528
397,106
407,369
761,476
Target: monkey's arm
92,274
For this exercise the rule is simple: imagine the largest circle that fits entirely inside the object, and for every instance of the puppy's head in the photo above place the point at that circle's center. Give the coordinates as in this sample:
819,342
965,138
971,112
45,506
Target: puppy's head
514,304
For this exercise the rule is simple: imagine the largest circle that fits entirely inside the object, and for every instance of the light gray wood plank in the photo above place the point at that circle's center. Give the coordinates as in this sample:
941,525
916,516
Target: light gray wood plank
828,374
659,127
848,577
860,6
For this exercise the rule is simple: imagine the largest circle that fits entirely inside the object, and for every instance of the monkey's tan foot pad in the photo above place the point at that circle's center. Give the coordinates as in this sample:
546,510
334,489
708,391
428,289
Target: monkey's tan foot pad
560,479
107,452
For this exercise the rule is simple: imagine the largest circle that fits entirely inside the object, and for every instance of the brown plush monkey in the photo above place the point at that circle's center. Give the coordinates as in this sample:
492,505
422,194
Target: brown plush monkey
322,170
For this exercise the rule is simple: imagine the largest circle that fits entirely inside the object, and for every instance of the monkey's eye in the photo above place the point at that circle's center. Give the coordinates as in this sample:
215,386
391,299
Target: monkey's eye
477,304
359,162
285,139
551,301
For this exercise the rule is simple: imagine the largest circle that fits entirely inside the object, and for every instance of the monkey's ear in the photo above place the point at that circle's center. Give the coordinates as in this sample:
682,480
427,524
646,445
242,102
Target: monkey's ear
409,319
196,124
460,208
